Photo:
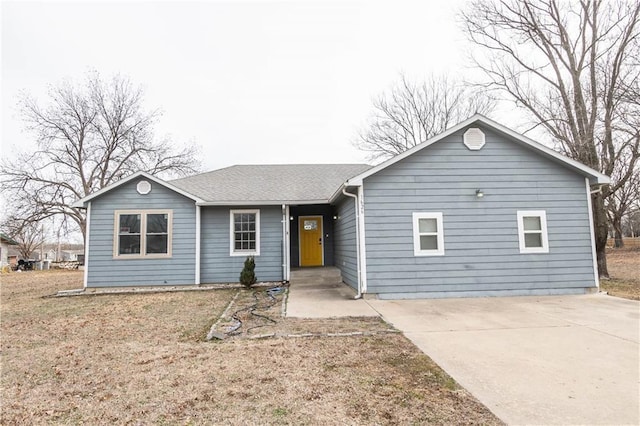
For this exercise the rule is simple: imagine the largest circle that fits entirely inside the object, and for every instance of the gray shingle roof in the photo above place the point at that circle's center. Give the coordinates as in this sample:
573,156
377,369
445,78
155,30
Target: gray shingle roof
270,184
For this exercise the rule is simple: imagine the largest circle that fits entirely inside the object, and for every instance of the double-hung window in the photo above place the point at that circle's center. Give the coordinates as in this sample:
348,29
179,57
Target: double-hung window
245,232
143,233
532,231
428,234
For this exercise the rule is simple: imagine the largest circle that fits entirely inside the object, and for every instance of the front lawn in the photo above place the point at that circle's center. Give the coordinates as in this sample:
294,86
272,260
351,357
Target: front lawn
142,359
624,270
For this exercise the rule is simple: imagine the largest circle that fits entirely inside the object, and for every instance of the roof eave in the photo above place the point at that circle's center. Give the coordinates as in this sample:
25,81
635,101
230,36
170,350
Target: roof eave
8,240
338,193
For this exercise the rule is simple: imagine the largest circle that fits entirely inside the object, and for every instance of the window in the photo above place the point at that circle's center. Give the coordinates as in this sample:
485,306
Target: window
428,234
129,237
532,231
245,232
143,233
157,236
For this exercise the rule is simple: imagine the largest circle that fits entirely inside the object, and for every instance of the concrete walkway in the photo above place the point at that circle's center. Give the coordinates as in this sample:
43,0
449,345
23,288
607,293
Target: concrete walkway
320,293
533,360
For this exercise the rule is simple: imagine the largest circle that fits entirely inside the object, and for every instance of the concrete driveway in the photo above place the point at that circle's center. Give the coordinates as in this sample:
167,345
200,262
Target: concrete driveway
533,360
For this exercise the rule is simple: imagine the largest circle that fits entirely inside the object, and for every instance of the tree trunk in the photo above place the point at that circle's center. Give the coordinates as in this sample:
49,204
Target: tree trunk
601,231
617,232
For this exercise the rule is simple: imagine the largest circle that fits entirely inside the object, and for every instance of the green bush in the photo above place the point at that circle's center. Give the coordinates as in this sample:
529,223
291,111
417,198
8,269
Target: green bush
248,275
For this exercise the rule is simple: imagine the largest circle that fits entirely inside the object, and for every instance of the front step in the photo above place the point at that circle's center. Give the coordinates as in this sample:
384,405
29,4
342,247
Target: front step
325,273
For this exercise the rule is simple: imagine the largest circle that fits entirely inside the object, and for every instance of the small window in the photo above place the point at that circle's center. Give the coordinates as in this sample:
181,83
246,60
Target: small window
428,234
532,231
245,232
143,233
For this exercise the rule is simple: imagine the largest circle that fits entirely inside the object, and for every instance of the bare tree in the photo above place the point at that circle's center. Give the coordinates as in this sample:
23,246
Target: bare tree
27,234
631,225
573,66
409,114
88,136
621,203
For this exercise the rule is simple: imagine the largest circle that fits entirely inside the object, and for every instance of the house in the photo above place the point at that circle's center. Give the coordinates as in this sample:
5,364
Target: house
478,210
71,255
5,242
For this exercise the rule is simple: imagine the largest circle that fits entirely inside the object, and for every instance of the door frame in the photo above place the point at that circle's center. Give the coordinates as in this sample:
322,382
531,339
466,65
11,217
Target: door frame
300,218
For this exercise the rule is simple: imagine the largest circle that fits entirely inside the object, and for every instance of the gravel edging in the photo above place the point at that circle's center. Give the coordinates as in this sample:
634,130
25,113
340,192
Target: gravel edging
163,289
212,331
304,335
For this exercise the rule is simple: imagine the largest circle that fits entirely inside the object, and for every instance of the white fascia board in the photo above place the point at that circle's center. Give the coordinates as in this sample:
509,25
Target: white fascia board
81,202
576,165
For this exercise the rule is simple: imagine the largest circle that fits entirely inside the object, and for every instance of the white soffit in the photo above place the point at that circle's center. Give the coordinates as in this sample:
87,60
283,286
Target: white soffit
474,139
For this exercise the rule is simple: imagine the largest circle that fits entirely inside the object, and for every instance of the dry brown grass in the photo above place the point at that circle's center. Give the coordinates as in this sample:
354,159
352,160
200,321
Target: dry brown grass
141,359
624,269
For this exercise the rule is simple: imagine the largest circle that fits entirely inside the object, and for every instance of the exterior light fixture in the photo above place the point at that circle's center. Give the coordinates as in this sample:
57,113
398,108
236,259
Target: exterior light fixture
335,217
479,193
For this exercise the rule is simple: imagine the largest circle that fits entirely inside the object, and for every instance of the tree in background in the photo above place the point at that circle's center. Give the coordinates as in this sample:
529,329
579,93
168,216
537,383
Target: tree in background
623,202
29,235
409,114
88,136
573,66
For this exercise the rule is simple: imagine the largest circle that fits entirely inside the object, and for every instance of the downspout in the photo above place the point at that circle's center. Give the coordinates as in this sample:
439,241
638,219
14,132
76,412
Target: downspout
359,263
592,232
198,238
285,243
87,225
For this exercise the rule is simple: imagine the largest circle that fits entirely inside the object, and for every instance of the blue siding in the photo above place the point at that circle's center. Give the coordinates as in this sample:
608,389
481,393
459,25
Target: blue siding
480,235
217,266
105,271
345,242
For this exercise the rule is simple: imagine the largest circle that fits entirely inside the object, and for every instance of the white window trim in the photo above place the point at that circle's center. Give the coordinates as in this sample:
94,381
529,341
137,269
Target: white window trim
542,214
143,234
417,251
232,250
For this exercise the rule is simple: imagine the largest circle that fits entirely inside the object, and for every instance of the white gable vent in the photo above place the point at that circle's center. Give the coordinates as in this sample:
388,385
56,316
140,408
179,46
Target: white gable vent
474,139
143,187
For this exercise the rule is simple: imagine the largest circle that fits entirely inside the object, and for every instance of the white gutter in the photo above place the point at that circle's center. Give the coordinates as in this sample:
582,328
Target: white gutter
227,203
86,245
358,260
592,232
198,239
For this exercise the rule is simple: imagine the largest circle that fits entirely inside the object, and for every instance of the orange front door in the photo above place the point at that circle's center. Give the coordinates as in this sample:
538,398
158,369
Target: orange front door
310,231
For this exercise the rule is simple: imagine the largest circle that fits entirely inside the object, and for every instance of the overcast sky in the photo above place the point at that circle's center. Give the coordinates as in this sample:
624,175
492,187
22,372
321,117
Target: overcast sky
248,81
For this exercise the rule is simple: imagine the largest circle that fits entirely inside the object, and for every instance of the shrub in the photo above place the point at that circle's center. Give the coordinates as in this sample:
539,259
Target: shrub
248,275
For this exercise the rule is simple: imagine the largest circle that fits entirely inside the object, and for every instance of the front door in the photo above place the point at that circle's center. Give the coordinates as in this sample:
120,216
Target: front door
310,231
